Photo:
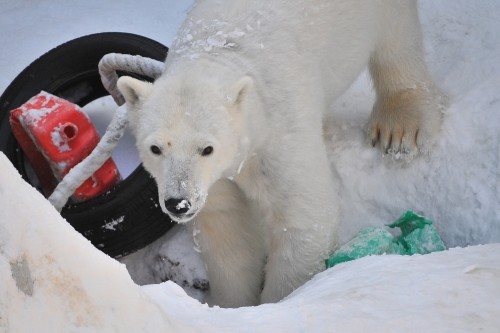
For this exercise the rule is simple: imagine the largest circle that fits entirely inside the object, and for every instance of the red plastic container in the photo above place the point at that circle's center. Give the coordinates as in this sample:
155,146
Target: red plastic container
56,135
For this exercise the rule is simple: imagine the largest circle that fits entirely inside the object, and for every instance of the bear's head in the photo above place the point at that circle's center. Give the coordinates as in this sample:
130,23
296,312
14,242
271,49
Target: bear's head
189,134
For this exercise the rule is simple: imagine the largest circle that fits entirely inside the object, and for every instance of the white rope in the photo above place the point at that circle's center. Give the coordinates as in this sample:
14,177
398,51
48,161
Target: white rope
86,168
113,62
108,66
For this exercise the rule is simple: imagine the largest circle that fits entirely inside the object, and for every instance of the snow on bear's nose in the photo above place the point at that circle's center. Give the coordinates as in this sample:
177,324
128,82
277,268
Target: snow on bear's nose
177,207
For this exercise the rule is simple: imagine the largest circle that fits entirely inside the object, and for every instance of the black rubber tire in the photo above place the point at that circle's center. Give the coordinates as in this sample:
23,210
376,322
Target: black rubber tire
70,71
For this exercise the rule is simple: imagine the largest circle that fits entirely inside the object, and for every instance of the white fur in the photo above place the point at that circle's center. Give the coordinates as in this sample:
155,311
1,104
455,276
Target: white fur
252,79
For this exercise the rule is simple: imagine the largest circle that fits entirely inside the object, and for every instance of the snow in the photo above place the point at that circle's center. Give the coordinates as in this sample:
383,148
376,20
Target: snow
183,204
58,138
114,223
53,280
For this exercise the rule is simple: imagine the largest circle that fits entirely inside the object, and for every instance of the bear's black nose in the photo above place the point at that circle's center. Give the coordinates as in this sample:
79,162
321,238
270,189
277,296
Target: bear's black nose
177,206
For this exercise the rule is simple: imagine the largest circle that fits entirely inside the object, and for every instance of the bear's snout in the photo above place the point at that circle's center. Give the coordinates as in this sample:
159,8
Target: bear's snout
177,207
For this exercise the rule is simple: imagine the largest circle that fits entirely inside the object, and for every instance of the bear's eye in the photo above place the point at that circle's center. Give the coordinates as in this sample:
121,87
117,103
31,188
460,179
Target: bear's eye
207,151
155,150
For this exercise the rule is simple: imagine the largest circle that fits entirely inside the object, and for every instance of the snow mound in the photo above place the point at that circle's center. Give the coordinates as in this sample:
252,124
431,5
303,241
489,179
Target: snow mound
52,275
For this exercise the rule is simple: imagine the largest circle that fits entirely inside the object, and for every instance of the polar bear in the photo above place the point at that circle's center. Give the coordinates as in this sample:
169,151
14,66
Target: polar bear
232,130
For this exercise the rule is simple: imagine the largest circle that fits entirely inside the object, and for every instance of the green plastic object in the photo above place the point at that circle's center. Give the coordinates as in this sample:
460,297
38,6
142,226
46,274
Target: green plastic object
418,236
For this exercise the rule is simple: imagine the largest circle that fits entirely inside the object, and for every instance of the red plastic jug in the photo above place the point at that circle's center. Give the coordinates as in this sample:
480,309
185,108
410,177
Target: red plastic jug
56,135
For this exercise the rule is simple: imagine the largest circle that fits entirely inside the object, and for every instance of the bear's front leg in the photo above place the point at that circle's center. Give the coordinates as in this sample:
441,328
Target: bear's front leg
231,246
406,122
407,115
301,222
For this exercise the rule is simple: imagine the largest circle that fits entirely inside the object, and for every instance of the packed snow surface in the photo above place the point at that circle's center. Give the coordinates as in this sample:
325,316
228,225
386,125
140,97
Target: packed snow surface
53,280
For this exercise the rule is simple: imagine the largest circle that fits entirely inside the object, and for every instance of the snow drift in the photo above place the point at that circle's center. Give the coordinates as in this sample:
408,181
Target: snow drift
54,280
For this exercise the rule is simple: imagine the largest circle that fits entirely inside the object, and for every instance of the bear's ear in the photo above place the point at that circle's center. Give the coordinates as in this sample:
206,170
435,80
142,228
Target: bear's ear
133,90
237,92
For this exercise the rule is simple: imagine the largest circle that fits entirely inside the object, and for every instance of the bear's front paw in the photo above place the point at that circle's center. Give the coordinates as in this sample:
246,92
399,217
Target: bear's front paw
406,123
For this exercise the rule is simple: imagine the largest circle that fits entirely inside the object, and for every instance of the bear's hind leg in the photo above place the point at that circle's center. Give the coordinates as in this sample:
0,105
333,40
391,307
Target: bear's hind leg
407,114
